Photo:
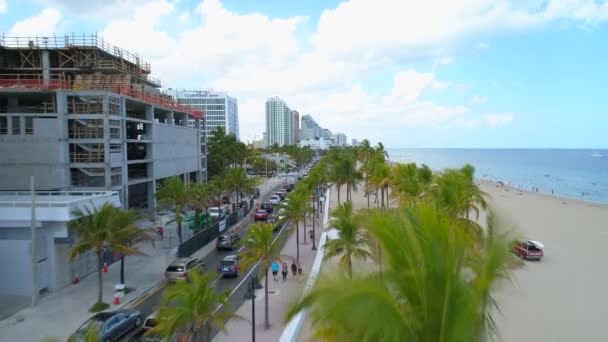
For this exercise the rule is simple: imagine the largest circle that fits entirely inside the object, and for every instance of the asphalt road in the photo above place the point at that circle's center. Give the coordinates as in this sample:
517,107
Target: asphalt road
150,303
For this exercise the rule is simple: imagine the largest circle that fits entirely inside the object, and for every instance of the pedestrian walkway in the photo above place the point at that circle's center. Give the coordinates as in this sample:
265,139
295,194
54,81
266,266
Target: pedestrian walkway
281,294
61,312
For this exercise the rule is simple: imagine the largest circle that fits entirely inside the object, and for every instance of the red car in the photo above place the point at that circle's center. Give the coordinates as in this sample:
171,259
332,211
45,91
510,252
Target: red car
260,215
529,250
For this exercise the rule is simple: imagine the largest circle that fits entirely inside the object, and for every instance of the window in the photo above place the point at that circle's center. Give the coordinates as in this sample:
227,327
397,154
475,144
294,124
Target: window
3,125
29,125
16,125
115,148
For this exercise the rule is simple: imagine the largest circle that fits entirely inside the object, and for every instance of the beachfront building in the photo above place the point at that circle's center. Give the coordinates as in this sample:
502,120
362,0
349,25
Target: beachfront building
220,109
53,240
316,144
279,123
81,115
339,139
309,128
326,134
296,126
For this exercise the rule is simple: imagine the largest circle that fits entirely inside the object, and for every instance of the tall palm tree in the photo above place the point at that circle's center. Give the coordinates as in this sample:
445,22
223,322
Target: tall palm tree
410,182
237,179
175,193
436,286
95,230
364,154
258,246
352,241
379,176
295,210
218,186
192,306
126,232
201,197
457,193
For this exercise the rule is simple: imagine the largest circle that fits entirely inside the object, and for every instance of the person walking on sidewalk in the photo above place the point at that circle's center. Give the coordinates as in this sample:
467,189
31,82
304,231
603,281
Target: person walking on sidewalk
294,268
285,271
300,270
275,270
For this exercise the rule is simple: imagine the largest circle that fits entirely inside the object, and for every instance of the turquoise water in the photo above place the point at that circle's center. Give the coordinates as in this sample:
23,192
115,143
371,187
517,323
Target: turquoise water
580,174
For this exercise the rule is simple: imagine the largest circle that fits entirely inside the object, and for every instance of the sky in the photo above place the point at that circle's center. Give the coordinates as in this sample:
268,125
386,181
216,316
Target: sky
435,73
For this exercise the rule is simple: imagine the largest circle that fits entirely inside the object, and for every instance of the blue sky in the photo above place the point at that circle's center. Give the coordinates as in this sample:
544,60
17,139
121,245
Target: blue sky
479,73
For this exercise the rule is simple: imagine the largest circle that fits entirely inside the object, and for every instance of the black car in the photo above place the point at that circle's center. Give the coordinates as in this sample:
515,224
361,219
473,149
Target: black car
268,207
227,241
229,266
110,325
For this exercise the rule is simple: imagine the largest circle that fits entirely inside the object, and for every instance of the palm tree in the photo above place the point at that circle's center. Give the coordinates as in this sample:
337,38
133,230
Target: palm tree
436,286
218,186
258,246
126,232
379,176
295,210
352,240
175,193
95,230
237,179
192,306
410,182
457,193
364,154
201,196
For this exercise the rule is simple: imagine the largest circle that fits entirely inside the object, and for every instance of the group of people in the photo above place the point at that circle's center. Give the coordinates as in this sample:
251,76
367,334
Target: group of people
296,270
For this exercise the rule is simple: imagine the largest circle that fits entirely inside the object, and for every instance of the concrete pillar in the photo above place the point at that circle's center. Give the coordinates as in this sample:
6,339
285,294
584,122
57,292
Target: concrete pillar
170,119
106,148
61,99
46,66
149,112
151,190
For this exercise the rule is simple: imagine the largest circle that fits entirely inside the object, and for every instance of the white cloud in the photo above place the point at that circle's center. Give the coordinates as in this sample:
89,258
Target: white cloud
184,17
476,99
483,46
45,23
495,120
3,6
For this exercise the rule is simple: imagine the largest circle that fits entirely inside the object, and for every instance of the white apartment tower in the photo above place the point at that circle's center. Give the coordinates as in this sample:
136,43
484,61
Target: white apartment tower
220,110
279,122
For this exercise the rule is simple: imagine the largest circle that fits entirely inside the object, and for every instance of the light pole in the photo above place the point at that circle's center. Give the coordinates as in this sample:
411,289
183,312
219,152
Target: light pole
251,295
314,246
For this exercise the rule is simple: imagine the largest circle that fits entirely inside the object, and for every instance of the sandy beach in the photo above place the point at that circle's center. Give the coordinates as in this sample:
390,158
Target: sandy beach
563,297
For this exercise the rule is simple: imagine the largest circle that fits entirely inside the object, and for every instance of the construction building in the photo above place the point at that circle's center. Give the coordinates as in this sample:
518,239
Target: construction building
79,114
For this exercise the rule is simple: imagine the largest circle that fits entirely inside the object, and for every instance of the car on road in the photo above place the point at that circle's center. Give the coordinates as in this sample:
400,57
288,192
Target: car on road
227,241
145,334
260,215
282,193
217,212
229,266
110,325
529,250
275,199
179,268
274,219
267,206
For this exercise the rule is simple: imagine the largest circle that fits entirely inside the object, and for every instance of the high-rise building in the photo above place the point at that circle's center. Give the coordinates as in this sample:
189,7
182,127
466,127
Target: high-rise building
309,128
326,134
296,126
316,144
354,142
279,122
339,139
220,109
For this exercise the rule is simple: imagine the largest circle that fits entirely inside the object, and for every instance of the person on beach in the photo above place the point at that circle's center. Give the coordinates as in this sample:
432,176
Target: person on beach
285,271
294,268
275,270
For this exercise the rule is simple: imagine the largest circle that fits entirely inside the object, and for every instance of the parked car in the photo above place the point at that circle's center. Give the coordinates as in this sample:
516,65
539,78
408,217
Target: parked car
227,241
179,268
260,215
273,219
529,250
267,206
286,188
229,266
216,212
110,325
275,199
145,334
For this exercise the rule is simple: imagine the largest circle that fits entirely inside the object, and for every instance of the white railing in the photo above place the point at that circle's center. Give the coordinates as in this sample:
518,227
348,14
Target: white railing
294,326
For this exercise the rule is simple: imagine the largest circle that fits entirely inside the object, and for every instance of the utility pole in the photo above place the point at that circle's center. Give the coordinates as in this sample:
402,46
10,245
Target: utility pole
314,246
35,292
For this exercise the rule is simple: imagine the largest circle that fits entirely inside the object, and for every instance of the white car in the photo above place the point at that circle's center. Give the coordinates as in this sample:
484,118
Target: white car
216,212
275,199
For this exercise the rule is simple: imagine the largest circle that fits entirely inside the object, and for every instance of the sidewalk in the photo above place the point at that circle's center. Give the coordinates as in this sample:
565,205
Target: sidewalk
61,312
281,295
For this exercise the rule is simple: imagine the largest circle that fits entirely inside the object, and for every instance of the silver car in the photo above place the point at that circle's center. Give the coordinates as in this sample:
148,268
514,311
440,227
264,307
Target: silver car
179,269
110,325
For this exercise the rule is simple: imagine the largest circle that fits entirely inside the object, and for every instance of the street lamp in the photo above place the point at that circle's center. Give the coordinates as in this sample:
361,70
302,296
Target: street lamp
314,246
250,294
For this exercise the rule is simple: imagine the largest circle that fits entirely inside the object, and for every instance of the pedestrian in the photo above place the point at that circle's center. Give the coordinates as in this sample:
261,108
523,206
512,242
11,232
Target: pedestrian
294,268
300,269
310,233
275,270
285,271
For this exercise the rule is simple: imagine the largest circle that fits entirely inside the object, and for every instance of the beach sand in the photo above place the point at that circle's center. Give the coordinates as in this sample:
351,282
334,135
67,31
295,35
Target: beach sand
563,297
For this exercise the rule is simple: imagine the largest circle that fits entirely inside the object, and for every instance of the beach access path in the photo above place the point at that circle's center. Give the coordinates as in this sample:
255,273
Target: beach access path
562,297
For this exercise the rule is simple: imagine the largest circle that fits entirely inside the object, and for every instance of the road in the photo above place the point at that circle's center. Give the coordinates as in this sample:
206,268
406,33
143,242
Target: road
150,303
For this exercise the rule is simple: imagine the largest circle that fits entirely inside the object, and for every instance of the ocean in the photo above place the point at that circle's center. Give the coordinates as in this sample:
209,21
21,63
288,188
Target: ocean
573,173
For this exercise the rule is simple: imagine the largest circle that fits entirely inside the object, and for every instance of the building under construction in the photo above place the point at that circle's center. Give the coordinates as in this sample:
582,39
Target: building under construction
80,114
